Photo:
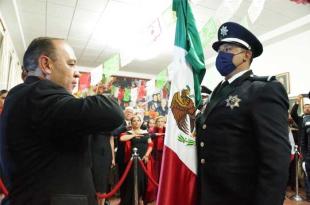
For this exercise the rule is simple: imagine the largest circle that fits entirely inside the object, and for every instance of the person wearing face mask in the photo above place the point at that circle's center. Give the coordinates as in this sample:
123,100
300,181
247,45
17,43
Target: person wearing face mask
242,137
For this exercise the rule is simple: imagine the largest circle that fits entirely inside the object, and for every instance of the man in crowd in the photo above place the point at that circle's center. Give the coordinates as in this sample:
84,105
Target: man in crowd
303,123
120,153
205,93
44,130
242,136
3,94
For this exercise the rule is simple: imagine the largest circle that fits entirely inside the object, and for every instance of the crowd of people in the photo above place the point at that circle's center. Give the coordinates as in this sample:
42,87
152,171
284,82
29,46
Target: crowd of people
148,137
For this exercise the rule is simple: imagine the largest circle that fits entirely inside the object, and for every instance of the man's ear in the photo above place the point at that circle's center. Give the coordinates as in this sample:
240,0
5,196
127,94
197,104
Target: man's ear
45,64
248,54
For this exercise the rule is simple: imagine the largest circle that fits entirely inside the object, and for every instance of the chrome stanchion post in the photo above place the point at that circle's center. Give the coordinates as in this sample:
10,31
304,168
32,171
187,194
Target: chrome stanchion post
296,196
135,156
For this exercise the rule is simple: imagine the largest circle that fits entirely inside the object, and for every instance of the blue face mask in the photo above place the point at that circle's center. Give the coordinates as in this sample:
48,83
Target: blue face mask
224,63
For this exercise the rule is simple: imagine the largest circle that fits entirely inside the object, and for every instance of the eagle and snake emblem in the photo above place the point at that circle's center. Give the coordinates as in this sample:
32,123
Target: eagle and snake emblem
183,109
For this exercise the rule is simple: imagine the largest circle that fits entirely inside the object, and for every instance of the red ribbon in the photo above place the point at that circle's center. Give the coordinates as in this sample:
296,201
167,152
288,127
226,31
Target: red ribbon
148,174
118,185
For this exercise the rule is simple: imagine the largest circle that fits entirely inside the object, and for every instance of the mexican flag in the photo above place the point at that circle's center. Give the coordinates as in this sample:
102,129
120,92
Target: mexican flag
179,167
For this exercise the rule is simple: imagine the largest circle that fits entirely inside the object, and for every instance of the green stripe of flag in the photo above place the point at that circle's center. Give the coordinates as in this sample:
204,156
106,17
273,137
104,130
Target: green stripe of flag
187,37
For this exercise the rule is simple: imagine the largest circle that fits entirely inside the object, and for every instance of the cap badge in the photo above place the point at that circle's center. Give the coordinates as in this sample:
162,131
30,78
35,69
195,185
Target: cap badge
233,101
224,31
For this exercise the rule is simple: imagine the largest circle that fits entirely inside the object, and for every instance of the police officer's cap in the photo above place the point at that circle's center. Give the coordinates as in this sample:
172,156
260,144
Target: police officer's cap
231,32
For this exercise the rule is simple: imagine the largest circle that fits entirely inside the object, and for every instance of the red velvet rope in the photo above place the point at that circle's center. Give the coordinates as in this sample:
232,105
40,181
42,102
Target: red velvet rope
118,185
3,188
148,174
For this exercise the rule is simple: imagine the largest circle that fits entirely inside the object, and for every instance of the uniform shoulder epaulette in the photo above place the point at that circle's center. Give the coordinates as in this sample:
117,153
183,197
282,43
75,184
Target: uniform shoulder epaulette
262,78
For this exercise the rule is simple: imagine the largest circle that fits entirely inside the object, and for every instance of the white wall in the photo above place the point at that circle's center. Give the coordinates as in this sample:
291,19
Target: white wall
290,55
10,67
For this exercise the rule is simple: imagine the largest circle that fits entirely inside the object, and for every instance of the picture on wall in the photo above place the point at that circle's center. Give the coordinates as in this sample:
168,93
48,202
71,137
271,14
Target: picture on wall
284,79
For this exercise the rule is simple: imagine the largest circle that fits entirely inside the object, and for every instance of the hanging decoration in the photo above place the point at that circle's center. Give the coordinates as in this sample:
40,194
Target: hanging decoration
127,95
227,9
161,79
111,66
255,9
301,1
84,81
208,32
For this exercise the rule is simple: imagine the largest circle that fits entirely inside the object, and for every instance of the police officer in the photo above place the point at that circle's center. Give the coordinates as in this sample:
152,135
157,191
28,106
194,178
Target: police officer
242,136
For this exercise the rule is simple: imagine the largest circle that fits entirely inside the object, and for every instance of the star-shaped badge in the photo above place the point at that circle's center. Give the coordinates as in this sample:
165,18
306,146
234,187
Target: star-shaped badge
224,30
233,101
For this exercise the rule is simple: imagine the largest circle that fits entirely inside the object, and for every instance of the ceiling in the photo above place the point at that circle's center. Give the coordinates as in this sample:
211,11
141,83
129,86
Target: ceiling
141,31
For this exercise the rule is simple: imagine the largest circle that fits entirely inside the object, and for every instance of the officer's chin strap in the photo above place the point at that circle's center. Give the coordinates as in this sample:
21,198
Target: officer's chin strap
243,60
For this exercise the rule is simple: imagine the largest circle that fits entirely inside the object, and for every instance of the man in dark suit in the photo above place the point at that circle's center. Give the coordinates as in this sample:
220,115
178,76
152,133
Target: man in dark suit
44,130
242,136
303,123
120,153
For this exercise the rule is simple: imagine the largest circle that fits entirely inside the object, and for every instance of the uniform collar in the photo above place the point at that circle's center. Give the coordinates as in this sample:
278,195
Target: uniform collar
237,75
239,78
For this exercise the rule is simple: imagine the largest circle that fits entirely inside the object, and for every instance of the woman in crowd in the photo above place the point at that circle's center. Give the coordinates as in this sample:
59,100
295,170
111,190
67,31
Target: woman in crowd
158,138
151,126
142,141
152,112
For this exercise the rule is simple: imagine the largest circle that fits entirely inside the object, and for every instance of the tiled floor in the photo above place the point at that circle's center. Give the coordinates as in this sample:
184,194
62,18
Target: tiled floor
287,201
116,202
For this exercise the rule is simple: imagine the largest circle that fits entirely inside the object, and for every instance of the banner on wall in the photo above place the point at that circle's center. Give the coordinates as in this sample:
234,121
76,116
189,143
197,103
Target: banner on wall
84,81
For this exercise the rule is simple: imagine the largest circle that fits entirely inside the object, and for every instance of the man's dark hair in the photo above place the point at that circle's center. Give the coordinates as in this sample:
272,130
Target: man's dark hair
39,46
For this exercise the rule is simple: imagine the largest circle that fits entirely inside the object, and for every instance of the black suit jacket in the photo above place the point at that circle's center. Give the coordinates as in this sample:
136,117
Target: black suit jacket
45,143
304,138
243,148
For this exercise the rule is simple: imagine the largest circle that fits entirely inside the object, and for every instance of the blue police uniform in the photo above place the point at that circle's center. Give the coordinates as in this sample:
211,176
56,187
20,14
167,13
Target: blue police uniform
242,136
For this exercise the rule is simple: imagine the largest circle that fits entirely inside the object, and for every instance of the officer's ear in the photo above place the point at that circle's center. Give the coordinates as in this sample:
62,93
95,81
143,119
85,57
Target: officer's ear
248,55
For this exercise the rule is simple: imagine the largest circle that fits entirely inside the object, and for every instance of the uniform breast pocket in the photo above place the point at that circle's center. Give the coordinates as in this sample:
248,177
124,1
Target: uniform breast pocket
69,199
